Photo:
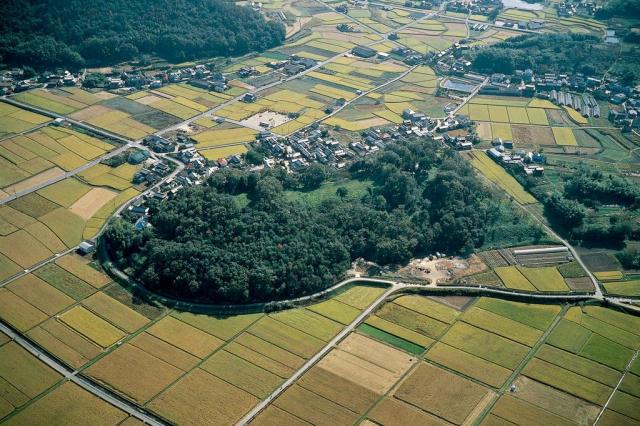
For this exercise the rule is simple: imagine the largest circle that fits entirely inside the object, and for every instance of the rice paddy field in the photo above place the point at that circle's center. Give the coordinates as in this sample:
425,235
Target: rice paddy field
35,157
463,373
434,34
59,216
15,120
133,116
180,365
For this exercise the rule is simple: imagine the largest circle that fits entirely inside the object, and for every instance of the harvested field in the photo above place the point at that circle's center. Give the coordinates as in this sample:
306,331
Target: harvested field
399,331
134,373
201,398
164,351
601,262
517,411
223,328
242,374
485,345
273,416
393,412
502,326
568,381
371,376
79,267
376,353
360,296
532,135
468,365
40,294
115,312
555,401
269,350
308,322
441,393
18,312
286,337
513,278
412,320
64,281
428,307
70,405
185,337
536,316
87,205
91,326
580,284
314,408
259,360
24,371
338,389
335,310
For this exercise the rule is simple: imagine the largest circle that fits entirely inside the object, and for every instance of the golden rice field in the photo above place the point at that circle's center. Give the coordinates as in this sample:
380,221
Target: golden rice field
35,157
16,120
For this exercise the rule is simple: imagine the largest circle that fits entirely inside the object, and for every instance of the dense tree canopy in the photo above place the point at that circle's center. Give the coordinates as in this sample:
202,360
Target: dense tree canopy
205,243
71,33
546,53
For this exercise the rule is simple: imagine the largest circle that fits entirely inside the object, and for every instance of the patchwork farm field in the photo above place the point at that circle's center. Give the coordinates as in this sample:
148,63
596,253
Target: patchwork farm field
465,367
36,157
76,313
60,216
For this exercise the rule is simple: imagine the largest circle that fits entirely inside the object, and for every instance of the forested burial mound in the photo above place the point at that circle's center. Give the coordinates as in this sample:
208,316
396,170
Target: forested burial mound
250,237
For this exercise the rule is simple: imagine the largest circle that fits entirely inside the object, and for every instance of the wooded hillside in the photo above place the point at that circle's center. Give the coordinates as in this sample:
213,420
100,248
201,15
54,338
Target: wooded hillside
72,33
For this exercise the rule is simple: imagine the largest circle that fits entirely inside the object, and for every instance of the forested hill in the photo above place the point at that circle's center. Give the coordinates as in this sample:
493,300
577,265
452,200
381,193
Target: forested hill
205,244
72,33
546,53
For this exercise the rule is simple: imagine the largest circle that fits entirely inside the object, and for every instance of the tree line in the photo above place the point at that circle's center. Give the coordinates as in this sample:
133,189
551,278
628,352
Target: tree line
75,33
206,244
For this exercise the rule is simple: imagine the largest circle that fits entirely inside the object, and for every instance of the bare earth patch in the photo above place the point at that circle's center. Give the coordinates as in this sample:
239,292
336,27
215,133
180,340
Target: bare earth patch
91,202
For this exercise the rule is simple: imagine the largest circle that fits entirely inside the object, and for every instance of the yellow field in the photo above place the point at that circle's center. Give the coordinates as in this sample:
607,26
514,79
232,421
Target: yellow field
513,278
185,337
564,136
217,137
91,326
575,115
115,312
500,130
608,275
537,116
227,151
499,176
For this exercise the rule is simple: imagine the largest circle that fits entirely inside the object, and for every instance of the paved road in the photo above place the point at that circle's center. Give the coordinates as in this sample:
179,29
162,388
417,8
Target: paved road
88,385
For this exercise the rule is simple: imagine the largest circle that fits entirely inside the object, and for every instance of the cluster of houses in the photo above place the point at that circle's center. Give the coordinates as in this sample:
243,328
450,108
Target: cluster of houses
16,80
628,116
483,7
292,66
152,172
584,102
504,154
